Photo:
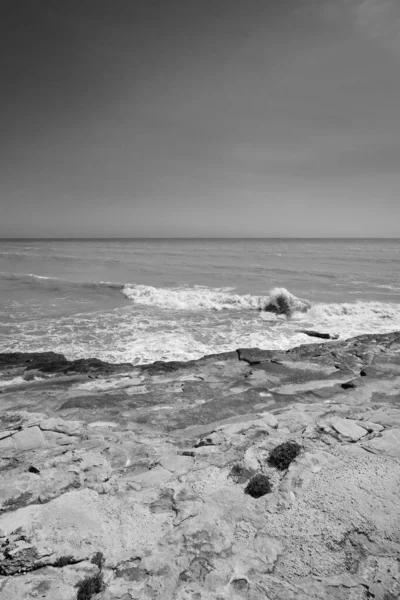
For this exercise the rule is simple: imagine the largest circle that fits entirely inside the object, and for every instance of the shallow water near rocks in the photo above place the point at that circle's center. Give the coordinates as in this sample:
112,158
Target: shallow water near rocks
146,300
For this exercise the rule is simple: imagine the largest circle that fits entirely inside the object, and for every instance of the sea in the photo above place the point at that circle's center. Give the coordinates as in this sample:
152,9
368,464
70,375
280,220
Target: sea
142,300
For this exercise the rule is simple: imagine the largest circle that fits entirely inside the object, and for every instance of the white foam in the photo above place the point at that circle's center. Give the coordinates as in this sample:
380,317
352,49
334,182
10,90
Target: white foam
144,334
195,298
9,382
281,301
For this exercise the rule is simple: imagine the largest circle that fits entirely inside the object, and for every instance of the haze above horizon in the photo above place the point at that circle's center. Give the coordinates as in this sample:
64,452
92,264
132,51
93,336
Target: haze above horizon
188,119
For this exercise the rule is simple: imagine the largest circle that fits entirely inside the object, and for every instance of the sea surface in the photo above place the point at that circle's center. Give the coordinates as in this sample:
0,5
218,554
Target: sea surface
145,300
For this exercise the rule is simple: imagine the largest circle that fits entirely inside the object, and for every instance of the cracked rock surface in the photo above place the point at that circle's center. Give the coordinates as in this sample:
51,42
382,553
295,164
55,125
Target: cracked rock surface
147,467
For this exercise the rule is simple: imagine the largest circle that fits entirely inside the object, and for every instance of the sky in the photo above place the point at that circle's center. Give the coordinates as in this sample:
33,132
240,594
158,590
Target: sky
184,118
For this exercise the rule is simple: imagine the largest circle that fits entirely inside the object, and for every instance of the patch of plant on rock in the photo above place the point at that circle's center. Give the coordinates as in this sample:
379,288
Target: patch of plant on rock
281,456
239,474
90,586
63,561
98,560
258,486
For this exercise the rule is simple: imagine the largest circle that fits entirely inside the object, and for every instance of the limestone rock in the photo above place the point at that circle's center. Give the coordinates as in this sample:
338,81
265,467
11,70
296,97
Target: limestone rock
348,429
28,439
157,483
388,443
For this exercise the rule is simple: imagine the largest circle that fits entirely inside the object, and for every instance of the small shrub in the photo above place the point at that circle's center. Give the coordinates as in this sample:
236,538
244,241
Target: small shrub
258,486
281,456
63,561
98,560
89,587
239,474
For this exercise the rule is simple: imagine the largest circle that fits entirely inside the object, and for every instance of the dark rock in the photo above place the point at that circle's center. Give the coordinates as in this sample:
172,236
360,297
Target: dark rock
206,441
241,585
349,385
254,356
22,500
31,360
17,561
33,470
282,302
53,363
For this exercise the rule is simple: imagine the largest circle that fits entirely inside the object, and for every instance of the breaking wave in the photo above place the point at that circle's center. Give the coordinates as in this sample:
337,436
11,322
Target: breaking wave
197,298
280,301
192,298
358,311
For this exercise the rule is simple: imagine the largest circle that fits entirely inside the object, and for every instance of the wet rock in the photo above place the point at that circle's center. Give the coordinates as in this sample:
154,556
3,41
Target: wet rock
318,334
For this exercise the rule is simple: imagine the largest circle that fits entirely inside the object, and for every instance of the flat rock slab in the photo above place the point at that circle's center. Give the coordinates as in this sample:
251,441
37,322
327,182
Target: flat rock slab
348,429
153,475
28,439
388,443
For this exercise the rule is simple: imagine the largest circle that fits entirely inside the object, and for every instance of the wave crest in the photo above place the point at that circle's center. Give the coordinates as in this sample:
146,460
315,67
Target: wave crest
282,302
193,299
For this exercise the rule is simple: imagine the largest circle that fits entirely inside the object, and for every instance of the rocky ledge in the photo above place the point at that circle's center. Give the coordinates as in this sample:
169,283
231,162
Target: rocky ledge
252,474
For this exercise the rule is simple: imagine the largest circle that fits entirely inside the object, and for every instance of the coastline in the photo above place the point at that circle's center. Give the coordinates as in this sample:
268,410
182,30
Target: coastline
153,464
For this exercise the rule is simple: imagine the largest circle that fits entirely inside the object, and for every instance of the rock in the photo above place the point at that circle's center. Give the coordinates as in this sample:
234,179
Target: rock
28,439
282,302
6,444
51,362
317,334
269,419
157,485
154,477
177,464
201,451
348,428
295,420
61,426
250,461
387,443
370,427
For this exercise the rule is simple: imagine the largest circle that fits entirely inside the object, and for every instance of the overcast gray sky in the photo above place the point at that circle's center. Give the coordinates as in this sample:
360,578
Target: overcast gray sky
200,118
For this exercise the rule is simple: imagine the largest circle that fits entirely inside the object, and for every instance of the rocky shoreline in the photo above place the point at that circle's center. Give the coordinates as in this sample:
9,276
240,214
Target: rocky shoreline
126,482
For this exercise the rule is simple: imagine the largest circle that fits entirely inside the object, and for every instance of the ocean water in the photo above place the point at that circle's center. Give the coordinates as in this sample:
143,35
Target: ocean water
146,300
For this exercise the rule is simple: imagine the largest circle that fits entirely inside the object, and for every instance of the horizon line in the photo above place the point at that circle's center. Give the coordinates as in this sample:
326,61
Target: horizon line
131,238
